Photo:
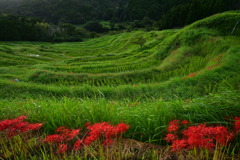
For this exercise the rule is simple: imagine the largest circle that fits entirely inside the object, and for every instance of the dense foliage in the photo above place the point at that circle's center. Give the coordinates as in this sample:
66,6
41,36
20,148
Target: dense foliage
87,16
17,28
64,11
172,13
24,28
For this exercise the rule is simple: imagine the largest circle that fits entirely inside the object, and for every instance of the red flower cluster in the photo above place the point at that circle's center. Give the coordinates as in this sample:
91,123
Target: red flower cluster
174,126
237,124
200,136
77,145
62,148
65,136
18,125
105,130
186,122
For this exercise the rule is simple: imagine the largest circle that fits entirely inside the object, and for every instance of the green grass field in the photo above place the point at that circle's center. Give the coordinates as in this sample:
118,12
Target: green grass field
113,79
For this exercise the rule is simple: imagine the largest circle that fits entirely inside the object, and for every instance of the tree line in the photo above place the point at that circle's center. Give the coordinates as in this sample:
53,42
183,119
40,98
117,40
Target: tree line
73,20
170,13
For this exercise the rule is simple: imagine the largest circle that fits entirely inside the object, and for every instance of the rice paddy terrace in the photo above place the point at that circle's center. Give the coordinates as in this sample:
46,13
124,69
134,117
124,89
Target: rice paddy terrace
181,63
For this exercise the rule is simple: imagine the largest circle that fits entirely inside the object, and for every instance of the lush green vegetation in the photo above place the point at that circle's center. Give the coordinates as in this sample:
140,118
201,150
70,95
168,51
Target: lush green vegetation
149,14
140,78
116,66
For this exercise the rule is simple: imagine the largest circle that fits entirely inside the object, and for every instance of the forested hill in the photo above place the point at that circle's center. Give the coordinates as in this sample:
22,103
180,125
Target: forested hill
66,11
168,13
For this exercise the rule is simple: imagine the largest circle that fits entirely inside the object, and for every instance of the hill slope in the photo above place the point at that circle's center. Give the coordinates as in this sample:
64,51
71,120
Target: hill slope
201,56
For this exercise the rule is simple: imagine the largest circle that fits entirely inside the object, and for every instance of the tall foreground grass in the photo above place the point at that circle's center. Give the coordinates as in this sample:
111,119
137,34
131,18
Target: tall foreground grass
148,119
122,149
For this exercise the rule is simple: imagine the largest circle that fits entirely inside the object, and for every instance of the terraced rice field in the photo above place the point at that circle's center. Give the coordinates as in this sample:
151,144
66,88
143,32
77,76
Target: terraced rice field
116,62
107,58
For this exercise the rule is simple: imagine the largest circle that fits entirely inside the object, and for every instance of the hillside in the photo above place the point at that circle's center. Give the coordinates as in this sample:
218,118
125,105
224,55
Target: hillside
144,79
118,61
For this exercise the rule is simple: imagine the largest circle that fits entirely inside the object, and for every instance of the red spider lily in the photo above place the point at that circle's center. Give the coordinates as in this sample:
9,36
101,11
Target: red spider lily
98,130
62,148
170,137
63,136
20,118
18,125
200,136
237,124
73,134
108,142
179,145
105,130
34,126
173,126
185,122
88,124
77,145
62,130
55,138
122,128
